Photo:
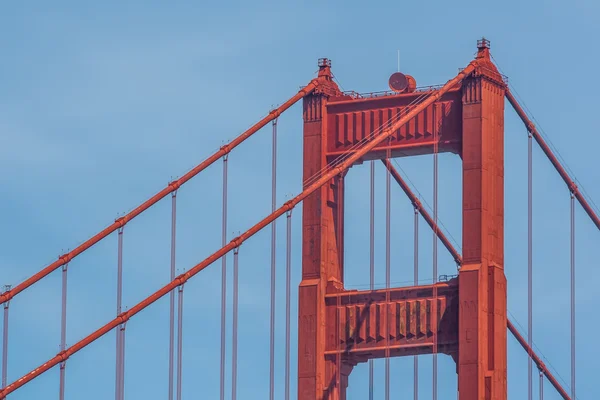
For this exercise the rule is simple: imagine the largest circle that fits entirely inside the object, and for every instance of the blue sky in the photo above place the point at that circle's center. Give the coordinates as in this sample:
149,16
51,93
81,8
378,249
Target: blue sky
102,104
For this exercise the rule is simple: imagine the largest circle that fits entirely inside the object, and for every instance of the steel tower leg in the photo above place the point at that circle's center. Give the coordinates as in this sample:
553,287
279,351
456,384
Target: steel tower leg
322,261
482,283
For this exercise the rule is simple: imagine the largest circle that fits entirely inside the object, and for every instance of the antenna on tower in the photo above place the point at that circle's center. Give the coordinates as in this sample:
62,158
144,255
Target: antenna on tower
398,61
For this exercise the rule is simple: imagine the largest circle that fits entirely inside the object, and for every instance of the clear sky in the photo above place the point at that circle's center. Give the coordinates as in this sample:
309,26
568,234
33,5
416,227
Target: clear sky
102,104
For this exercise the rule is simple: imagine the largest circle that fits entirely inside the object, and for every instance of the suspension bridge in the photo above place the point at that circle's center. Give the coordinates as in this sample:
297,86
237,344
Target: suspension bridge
462,315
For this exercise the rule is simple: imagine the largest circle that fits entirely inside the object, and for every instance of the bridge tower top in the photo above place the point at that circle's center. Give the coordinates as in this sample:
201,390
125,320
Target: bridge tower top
483,48
325,68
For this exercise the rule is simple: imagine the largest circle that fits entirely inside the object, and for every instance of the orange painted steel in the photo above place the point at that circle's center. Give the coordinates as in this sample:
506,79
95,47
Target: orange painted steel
172,186
546,149
417,204
366,334
236,242
351,120
333,123
482,350
540,364
322,229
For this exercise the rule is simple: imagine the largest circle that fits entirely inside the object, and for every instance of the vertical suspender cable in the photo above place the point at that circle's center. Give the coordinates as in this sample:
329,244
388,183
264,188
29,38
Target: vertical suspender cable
541,385
288,286
372,262
338,354
416,283
435,242
273,232
5,340
573,296
338,358
63,331
119,358
180,306
172,295
122,381
234,335
223,280
179,340
387,274
529,261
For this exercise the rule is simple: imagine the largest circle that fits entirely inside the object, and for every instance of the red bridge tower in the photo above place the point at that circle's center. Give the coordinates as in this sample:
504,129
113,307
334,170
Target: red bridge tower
464,317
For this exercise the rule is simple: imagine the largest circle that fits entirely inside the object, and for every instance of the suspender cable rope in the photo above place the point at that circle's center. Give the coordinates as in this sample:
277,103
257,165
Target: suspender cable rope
223,281
340,247
372,262
119,332
573,295
179,340
172,294
273,232
529,262
541,385
338,355
288,287
387,275
234,334
416,283
122,368
5,341
435,253
63,332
